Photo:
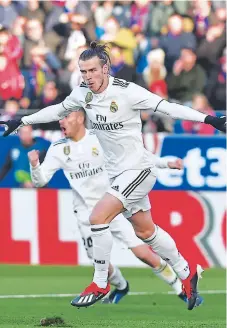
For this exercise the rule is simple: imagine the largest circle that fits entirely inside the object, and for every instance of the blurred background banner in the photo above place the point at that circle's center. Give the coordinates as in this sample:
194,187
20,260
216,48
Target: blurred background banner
39,227
204,161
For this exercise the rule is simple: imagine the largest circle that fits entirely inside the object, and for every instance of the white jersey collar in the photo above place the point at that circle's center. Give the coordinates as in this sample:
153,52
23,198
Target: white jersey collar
102,94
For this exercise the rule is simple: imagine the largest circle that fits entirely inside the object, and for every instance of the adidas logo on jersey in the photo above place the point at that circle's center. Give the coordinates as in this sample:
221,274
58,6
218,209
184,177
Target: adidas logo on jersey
68,160
115,188
120,83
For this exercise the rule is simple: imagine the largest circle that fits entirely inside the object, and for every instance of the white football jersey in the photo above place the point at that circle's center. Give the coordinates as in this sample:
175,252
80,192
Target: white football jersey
115,117
83,165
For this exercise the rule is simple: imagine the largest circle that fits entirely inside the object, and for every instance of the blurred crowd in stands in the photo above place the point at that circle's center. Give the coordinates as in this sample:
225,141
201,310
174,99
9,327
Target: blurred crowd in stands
176,49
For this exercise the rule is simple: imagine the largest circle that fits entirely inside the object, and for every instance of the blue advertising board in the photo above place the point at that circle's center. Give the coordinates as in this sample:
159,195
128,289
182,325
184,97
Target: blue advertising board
12,143
204,163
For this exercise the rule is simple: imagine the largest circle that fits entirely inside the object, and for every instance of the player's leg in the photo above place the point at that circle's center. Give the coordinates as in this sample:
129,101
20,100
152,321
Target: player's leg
133,188
101,248
124,232
105,210
116,278
164,245
119,282
162,270
160,267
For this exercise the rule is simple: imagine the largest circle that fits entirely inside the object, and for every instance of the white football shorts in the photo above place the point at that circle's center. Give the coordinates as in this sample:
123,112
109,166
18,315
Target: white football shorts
131,187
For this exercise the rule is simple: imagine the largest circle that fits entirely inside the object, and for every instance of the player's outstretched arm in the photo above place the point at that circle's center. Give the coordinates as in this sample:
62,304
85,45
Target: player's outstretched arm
48,114
141,99
42,174
186,113
45,115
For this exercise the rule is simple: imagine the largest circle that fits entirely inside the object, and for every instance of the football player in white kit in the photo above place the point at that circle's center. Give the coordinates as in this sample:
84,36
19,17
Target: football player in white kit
113,106
82,160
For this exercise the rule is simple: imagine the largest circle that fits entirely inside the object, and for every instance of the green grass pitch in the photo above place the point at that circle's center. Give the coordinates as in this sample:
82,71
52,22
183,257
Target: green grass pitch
157,310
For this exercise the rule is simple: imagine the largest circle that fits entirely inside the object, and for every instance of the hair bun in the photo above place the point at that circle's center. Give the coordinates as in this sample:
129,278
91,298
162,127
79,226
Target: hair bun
93,44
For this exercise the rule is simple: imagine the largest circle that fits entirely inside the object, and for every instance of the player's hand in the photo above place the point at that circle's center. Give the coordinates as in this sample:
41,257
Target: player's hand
33,157
218,123
177,164
13,126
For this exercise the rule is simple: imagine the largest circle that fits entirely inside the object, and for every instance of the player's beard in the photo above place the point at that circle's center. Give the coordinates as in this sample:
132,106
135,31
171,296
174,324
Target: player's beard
103,80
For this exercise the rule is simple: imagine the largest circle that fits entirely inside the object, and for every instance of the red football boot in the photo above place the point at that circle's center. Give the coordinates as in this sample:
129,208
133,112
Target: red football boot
90,296
190,286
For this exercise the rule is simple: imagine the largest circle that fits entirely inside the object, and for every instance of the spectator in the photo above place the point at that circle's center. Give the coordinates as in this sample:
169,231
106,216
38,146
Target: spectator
18,29
187,79
120,69
160,13
201,104
122,37
126,40
33,11
203,17
50,96
8,13
211,48
61,12
102,11
72,75
176,40
11,79
143,46
39,62
76,38
155,73
34,37
122,12
17,159
11,108
140,16
216,88
111,27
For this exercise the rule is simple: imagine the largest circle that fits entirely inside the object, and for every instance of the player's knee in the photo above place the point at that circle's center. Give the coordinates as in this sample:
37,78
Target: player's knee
145,234
96,219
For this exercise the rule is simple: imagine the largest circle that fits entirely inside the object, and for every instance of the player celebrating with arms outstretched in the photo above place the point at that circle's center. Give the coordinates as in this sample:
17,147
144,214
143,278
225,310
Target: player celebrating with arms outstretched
81,158
113,106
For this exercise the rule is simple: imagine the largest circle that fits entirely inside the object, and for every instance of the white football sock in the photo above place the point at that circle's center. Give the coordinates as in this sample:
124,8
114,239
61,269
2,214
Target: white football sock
164,245
116,279
102,245
166,273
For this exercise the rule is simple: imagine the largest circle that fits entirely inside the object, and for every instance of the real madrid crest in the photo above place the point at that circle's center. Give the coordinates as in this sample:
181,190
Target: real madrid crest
89,97
95,151
113,107
66,150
